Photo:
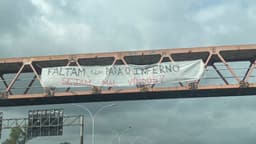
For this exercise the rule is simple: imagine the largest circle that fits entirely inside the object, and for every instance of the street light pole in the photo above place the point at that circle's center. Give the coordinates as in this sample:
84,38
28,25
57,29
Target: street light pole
138,138
81,129
92,116
119,136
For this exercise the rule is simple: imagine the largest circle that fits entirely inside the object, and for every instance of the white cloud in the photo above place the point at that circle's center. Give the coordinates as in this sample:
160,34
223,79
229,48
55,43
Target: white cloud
65,33
43,6
252,12
6,40
207,14
86,26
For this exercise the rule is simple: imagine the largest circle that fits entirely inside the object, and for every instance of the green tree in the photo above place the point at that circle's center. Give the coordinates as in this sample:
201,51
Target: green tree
17,136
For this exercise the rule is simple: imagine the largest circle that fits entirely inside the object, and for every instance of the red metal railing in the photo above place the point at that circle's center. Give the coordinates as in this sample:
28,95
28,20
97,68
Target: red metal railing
227,67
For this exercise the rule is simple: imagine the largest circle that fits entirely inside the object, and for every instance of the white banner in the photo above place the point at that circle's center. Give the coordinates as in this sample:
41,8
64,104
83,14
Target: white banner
122,75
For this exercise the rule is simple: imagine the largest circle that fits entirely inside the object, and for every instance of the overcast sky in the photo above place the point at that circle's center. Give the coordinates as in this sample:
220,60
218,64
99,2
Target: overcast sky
49,27
45,27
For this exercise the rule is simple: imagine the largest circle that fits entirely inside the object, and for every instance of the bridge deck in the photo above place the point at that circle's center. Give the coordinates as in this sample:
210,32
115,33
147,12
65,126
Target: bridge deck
229,72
